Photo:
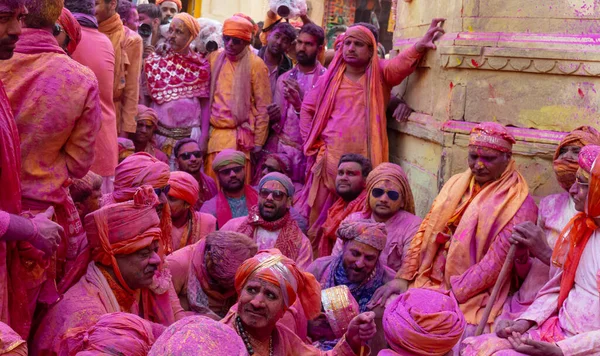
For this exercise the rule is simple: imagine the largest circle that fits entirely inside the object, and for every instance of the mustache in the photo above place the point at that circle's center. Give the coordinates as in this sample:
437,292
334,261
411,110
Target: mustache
259,311
9,40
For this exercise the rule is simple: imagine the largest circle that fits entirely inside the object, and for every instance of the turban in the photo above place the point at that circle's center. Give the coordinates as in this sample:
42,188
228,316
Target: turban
146,113
136,170
364,231
199,335
282,160
394,173
239,27
227,157
178,2
272,267
10,342
566,169
185,187
111,335
423,322
228,249
357,33
587,157
126,148
281,178
72,28
82,188
492,135
190,22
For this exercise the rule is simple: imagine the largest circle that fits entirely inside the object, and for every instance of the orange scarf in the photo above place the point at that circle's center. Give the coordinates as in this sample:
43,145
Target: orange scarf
114,30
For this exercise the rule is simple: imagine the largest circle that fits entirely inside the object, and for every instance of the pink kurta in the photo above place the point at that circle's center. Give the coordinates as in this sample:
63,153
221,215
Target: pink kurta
96,52
401,228
208,224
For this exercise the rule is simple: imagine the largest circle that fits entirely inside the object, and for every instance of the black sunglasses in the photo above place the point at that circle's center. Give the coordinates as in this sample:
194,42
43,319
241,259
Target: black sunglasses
278,195
187,155
392,194
236,41
164,189
228,171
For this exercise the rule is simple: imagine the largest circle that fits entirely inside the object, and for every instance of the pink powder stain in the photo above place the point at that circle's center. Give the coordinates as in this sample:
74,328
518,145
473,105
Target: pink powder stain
580,92
492,91
451,85
474,63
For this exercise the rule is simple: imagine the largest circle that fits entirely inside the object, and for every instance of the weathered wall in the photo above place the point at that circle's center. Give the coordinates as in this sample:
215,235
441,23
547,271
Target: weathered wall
532,65
220,10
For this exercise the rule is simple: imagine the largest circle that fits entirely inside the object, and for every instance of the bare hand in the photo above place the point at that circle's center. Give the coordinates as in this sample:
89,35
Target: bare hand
291,93
48,233
402,112
274,113
505,328
532,347
531,236
395,286
433,33
361,329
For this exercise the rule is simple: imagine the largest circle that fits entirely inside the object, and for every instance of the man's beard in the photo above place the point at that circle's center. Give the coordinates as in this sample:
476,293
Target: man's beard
306,61
349,196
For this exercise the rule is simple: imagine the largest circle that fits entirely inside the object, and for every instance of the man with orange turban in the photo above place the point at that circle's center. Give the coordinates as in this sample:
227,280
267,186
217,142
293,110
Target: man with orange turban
121,274
564,318
169,8
464,239
68,32
143,139
240,93
357,85
269,284
189,226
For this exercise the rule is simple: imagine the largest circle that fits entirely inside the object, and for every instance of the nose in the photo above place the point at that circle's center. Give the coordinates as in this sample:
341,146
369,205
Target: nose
574,189
360,263
15,28
384,197
258,301
154,259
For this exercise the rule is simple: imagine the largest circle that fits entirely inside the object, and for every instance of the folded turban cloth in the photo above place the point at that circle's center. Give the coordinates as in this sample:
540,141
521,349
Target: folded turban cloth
190,22
10,342
146,113
229,249
393,173
281,178
227,157
357,33
492,135
238,27
72,28
185,187
272,267
587,157
178,2
198,335
423,322
113,334
126,148
136,170
364,231
566,169
82,188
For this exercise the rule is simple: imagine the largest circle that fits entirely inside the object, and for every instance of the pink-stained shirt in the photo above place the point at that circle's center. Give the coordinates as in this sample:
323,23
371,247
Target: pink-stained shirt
96,52
56,103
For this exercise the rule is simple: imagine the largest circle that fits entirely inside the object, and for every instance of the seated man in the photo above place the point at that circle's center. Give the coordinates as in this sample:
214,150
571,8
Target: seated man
235,197
86,193
350,182
123,240
203,273
143,139
268,284
390,202
464,240
564,319
270,223
189,226
189,159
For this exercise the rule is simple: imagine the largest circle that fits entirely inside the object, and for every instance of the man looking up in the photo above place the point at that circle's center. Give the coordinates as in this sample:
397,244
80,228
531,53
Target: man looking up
189,159
169,9
274,54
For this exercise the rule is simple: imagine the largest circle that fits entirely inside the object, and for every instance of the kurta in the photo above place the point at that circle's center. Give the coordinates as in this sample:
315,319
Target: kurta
96,52
401,228
238,207
181,236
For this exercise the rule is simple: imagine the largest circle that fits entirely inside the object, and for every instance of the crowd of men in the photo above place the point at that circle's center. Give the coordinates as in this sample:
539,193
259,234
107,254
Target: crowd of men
157,199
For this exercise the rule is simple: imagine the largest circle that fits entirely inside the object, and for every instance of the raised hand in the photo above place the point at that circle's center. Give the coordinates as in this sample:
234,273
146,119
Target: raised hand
395,286
361,329
433,33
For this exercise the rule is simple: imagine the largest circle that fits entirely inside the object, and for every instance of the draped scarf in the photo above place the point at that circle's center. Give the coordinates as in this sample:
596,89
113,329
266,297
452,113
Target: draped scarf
224,213
113,28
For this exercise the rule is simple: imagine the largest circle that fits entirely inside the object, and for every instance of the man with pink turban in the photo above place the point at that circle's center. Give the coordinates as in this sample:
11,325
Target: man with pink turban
143,139
203,273
240,93
67,32
189,226
564,318
269,284
413,327
464,239
121,274
390,201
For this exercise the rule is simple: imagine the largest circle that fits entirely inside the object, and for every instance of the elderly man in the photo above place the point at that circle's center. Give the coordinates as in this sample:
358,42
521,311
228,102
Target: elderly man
464,239
203,273
86,193
143,139
240,94
270,223
124,243
564,318
169,9
235,198
390,202
350,182
280,39
268,284
357,85
189,159
127,45
189,226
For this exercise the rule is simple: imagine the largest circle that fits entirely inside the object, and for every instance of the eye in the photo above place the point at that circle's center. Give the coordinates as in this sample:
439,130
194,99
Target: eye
340,173
271,296
355,253
251,290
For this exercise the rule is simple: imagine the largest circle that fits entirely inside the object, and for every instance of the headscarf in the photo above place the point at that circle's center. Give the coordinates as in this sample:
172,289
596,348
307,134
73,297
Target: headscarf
190,22
185,187
72,28
199,335
113,334
146,113
364,231
239,26
136,170
272,267
575,236
394,173
281,178
423,322
566,170
178,2
227,157
11,343
492,135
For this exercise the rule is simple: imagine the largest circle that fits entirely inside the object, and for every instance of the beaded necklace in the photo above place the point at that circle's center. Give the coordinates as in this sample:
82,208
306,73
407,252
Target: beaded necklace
246,337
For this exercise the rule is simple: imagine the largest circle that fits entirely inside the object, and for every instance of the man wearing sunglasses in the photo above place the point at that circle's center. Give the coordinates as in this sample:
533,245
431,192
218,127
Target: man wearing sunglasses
270,223
189,159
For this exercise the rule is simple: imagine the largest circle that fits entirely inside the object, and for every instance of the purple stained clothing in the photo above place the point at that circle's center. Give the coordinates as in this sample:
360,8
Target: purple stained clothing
179,113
